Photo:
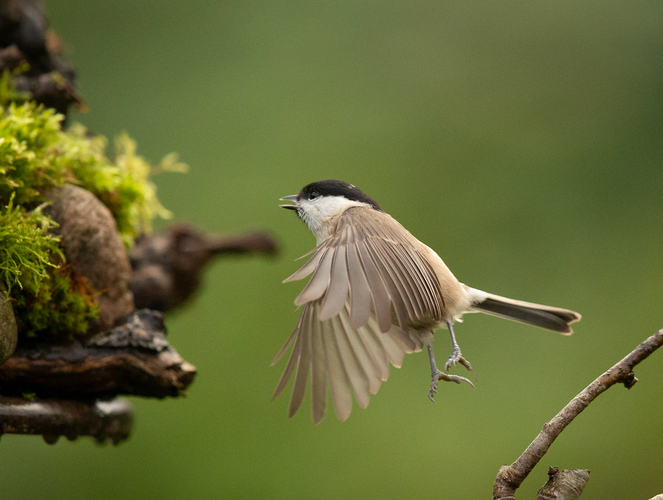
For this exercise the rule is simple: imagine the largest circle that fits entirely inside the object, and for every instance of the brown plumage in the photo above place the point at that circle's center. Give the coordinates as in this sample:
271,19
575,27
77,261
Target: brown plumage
375,293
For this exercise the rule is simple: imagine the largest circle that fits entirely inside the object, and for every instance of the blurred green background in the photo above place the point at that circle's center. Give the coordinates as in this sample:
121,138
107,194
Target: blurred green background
521,140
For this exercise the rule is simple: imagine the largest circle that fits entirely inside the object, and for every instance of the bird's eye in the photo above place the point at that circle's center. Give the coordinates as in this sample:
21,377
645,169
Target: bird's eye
313,195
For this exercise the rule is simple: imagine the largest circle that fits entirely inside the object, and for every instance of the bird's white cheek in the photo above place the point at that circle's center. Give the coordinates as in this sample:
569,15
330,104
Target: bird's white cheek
320,214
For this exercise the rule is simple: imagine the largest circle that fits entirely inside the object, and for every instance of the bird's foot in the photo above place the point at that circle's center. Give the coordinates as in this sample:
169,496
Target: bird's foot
438,375
456,357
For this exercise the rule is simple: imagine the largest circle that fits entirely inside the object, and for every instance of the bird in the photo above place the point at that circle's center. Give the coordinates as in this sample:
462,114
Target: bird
376,293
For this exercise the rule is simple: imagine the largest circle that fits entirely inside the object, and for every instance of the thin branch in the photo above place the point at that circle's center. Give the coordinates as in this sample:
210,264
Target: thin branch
510,477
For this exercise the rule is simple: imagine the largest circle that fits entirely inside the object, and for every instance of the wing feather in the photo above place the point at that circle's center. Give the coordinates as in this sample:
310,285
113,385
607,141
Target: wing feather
364,357
434,288
418,287
319,282
360,293
318,372
393,265
349,360
294,356
387,348
307,268
393,350
287,344
394,292
340,387
407,256
354,371
376,350
337,293
381,298
303,364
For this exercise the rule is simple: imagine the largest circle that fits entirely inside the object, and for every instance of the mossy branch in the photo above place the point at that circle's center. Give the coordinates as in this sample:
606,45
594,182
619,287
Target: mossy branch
37,157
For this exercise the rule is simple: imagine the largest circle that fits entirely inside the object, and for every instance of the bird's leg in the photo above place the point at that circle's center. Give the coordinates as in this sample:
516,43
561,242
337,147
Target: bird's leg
455,357
438,375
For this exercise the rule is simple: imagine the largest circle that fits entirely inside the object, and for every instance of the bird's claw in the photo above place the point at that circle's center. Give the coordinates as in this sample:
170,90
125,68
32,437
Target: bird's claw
456,357
438,375
433,388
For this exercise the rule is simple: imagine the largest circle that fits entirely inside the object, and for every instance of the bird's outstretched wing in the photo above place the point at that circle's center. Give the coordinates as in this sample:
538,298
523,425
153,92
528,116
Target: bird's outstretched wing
375,264
346,359
370,282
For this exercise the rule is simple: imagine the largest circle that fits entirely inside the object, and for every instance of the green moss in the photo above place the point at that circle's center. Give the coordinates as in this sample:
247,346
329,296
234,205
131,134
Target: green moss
26,249
28,166
123,185
46,297
8,92
35,155
59,307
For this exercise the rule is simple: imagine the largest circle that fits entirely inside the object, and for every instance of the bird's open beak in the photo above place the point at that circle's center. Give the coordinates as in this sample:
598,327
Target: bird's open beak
293,198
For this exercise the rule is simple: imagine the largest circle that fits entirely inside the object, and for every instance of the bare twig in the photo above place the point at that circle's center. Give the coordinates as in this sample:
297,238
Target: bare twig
510,477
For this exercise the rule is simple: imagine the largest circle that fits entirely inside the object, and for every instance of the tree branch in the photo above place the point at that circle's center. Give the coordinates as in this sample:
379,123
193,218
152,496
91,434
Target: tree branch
133,358
53,418
81,371
168,267
510,477
565,485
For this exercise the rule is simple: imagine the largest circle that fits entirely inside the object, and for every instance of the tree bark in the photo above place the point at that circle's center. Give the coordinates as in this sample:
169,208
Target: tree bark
53,418
81,371
565,485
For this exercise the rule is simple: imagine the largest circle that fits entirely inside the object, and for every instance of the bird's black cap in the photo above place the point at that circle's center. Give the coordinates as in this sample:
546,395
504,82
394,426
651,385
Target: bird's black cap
332,187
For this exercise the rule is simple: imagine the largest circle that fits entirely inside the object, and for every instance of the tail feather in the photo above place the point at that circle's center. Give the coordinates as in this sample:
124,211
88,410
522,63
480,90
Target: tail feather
550,318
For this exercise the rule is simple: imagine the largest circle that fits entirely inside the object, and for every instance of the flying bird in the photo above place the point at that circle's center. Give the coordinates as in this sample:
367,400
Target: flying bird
376,293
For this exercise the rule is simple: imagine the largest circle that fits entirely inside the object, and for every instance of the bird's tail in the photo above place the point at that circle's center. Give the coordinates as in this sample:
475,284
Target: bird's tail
550,318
